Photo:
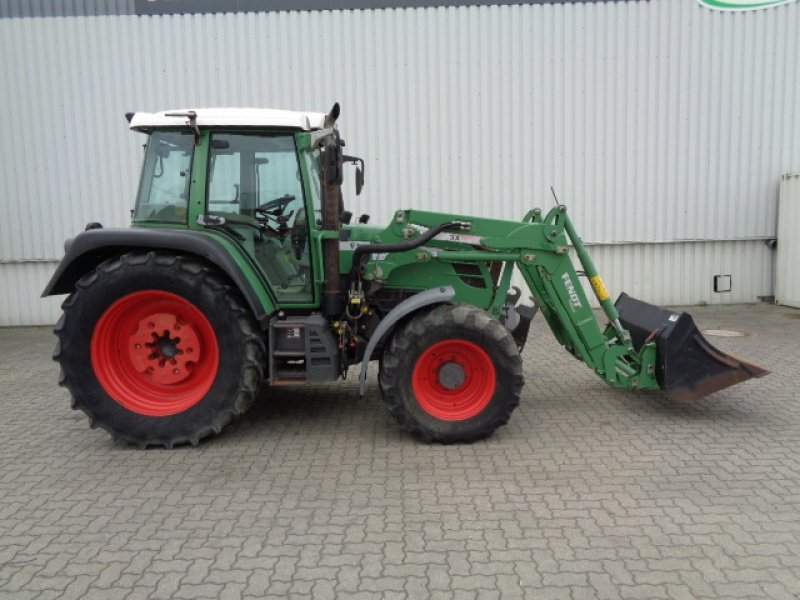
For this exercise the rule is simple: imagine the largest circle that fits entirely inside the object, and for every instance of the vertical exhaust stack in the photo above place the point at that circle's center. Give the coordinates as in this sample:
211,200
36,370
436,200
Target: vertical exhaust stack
331,214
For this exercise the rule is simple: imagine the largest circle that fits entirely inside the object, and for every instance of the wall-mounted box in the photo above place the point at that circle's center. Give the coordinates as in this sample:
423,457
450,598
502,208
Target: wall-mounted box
722,283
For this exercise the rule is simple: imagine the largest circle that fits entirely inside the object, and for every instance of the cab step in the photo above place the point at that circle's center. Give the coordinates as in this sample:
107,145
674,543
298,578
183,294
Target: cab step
302,350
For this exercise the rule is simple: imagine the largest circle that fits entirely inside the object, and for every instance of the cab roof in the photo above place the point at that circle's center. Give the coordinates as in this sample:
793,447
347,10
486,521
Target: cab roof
229,117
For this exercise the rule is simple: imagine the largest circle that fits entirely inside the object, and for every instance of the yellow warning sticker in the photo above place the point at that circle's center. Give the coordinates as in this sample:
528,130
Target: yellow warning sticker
599,288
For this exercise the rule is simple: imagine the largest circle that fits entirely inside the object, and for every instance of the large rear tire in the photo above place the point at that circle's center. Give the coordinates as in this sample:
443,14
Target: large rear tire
159,350
451,374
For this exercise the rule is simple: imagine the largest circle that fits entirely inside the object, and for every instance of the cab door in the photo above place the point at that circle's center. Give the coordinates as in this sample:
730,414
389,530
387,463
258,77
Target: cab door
254,182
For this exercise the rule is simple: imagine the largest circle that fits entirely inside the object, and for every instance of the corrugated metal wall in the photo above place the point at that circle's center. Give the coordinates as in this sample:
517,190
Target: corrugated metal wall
787,276
65,8
655,122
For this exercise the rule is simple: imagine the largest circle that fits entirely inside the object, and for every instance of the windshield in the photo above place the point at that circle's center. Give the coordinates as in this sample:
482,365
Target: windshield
164,186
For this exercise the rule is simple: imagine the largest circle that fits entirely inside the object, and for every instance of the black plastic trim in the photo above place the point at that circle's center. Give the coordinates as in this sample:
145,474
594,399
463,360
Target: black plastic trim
90,248
160,7
83,8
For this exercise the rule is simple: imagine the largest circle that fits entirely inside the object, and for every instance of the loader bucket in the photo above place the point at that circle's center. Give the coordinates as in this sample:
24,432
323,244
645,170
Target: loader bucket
688,366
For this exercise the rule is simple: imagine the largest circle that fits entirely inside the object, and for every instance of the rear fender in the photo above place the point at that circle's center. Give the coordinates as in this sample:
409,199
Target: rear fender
90,248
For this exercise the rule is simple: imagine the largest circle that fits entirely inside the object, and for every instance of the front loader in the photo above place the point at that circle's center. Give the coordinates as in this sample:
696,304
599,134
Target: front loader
242,268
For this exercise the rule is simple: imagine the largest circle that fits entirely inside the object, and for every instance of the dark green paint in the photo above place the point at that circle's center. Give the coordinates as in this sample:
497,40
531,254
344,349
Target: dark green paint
538,246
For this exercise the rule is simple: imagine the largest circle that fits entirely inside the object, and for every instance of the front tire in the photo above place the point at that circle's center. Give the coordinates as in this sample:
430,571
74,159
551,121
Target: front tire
451,374
158,349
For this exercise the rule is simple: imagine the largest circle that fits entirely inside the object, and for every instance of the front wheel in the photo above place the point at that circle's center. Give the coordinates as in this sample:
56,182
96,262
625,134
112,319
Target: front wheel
158,349
452,374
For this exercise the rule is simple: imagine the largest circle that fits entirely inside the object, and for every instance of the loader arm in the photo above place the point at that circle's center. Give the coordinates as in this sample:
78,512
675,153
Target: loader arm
548,271
539,247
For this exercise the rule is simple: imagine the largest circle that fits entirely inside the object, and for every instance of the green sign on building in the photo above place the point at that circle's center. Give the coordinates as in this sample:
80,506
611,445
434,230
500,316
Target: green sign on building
739,5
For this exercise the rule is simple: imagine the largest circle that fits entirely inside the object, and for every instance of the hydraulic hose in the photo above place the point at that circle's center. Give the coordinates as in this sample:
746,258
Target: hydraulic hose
359,252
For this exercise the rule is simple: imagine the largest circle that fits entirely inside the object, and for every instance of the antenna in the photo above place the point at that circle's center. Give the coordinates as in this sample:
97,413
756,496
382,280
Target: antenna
555,198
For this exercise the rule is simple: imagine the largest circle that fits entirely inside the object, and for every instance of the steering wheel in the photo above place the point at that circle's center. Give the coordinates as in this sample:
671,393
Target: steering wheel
299,234
275,207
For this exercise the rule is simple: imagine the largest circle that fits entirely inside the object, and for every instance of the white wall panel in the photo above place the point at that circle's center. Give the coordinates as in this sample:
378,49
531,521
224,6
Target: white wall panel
682,274
21,285
654,121
787,276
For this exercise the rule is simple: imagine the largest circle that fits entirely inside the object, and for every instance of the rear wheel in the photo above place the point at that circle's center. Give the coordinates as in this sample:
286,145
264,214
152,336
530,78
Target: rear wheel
159,350
451,374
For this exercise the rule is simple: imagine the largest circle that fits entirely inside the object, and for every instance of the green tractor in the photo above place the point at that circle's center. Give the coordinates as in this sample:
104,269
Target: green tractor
242,267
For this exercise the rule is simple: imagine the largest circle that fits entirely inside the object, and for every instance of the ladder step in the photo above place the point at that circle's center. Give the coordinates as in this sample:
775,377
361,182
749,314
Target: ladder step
280,382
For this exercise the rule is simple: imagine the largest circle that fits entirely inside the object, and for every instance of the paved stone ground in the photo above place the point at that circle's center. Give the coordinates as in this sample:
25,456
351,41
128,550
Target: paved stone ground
588,493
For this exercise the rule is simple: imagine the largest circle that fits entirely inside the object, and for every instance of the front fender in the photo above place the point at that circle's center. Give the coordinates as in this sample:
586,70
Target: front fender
406,307
95,246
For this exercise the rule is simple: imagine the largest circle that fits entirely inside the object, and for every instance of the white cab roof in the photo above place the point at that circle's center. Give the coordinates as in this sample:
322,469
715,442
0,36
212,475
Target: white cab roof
230,117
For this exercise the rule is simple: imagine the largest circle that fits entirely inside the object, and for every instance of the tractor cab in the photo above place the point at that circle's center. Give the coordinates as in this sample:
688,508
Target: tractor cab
252,175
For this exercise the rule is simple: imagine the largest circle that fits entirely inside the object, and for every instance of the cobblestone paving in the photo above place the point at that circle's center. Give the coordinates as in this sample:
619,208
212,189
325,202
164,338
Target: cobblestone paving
588,493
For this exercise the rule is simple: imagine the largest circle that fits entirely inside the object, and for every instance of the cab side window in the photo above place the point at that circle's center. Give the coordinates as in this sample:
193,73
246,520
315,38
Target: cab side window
254,182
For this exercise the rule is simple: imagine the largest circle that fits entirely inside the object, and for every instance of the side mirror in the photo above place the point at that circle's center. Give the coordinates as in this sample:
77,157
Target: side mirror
359,171
359,180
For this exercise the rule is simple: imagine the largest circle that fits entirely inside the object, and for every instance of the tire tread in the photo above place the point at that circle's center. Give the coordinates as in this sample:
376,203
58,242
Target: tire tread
392,370
251,372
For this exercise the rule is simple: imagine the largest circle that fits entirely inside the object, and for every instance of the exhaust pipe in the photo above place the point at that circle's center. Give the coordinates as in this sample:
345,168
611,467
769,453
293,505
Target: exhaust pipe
688,366
331,157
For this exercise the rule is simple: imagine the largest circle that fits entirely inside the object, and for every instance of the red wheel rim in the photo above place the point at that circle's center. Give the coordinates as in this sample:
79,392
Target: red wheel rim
454,380
155,353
